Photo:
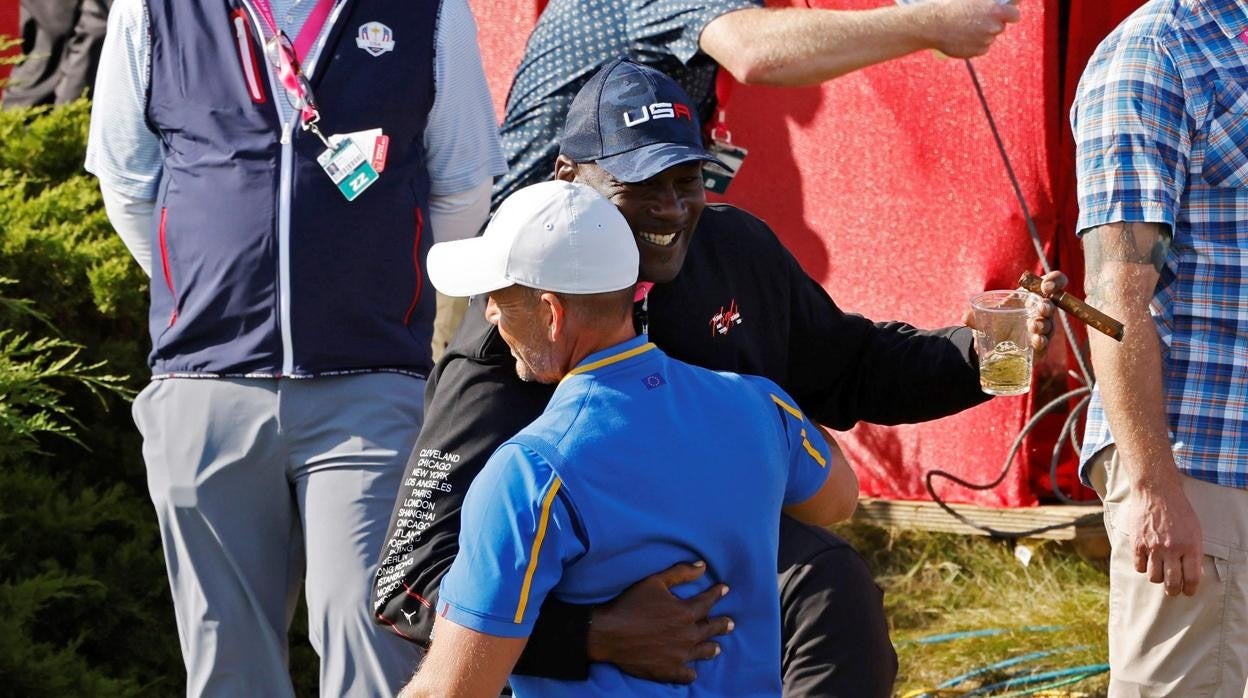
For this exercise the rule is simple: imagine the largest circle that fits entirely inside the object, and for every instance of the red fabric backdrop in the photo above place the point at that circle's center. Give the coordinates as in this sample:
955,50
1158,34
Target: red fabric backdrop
887,185
9,29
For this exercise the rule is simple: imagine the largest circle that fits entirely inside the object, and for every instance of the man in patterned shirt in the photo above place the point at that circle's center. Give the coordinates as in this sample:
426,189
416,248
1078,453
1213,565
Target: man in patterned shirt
1163,195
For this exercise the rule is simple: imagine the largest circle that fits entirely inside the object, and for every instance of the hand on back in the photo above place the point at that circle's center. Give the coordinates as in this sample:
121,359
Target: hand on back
650,633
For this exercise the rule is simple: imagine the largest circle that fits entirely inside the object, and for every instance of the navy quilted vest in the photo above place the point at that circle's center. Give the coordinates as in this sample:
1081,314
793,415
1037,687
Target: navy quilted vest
265,269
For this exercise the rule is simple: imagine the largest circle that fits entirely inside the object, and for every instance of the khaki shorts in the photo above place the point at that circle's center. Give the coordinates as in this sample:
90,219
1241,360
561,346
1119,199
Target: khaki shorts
1180,646
450,313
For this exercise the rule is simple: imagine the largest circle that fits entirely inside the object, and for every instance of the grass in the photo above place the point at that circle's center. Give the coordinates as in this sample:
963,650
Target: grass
938,583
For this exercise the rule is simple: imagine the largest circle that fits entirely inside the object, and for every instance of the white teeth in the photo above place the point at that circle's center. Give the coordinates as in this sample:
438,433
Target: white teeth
660,239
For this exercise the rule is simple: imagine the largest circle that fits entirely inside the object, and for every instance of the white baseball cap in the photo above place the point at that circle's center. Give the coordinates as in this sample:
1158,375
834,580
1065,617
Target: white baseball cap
554,236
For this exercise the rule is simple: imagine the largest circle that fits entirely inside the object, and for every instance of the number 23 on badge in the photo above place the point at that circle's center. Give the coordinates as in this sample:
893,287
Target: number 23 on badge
348,168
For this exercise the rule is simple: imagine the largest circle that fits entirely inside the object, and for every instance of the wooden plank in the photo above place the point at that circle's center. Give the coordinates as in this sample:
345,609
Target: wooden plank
928,516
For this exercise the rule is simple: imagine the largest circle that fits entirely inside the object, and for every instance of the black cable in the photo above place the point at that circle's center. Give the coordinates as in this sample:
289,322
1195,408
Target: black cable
1018,442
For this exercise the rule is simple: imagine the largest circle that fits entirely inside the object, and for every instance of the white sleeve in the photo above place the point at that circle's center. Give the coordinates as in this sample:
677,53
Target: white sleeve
132,219
461,138
121,150
460,216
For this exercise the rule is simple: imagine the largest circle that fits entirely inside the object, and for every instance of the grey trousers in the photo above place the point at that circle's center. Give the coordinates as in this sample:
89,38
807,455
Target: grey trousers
259,483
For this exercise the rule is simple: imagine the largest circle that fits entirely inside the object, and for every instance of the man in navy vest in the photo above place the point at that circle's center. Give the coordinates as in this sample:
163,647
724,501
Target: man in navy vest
281,168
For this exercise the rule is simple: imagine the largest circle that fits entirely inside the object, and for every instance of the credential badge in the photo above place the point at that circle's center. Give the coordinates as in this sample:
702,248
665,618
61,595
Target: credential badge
375,37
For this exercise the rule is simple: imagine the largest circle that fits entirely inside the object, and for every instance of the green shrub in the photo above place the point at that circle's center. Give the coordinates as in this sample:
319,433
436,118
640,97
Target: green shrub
67,548
84,597
84,603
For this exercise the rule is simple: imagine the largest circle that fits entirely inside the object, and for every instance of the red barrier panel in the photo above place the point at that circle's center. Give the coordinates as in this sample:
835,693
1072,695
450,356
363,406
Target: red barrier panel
9,29
887,186
502,30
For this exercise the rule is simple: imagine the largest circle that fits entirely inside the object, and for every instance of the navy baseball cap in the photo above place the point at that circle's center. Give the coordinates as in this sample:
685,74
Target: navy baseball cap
634,122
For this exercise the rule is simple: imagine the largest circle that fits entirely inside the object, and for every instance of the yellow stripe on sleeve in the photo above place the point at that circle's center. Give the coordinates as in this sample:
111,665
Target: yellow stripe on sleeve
810,448
787,407
814,452
537,548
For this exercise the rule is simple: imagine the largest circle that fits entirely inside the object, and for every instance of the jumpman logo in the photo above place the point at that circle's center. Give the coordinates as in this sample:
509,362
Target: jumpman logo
407,615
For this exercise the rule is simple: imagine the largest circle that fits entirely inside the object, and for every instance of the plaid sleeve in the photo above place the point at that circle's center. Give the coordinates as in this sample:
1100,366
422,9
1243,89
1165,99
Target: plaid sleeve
1132,140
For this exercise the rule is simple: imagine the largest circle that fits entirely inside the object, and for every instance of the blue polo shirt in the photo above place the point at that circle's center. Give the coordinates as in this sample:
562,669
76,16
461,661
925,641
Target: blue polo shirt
640,462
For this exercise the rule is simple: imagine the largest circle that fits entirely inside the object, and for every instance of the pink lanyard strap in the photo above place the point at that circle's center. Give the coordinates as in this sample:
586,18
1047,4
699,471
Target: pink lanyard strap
310,30
286,57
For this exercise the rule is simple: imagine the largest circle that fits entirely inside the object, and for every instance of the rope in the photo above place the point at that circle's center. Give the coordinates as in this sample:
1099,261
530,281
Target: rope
1009,460
1007,663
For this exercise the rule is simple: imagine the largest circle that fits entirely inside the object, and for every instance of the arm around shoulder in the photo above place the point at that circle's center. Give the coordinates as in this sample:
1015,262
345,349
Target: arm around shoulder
820,487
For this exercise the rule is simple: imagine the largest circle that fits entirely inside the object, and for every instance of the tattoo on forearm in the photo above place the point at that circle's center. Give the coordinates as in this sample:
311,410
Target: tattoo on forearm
1122,242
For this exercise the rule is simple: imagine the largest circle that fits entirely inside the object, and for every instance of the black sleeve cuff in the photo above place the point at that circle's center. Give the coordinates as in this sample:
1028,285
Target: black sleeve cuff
559,645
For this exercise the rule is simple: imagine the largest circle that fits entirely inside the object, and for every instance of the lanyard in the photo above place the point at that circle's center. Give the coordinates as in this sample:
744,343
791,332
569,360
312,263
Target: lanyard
311,28
724,82
285,57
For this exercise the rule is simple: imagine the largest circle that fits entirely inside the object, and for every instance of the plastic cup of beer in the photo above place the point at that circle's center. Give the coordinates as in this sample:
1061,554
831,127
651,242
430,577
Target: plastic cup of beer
1002,341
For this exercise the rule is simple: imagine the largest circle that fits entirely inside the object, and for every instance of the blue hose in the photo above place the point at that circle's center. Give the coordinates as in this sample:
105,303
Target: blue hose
1085,671
1007,663
1049,686
946,637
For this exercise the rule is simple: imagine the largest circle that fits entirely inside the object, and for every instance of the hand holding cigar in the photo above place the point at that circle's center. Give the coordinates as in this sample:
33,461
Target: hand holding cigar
1091,316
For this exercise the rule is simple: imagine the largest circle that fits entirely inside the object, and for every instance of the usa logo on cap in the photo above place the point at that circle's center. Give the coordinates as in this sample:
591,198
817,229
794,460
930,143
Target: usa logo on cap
375,37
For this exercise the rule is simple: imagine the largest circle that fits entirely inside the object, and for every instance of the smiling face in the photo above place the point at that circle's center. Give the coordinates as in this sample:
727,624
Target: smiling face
663,211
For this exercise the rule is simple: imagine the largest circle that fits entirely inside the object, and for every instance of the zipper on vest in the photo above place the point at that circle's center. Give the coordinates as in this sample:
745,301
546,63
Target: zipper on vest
285,165
283,216
283,252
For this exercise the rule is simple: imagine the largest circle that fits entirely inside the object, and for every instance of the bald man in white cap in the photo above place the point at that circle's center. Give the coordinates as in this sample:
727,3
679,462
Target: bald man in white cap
635,465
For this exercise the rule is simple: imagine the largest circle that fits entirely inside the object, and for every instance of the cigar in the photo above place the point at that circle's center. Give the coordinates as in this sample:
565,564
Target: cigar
1094,318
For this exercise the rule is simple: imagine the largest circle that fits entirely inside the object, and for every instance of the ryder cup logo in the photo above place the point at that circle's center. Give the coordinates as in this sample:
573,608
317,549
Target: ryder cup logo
375,37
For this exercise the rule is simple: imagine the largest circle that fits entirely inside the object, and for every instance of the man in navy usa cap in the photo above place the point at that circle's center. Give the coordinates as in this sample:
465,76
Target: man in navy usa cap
634,463
717,289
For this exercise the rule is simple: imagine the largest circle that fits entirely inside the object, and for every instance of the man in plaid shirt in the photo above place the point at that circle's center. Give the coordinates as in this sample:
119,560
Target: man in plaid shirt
1161,126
